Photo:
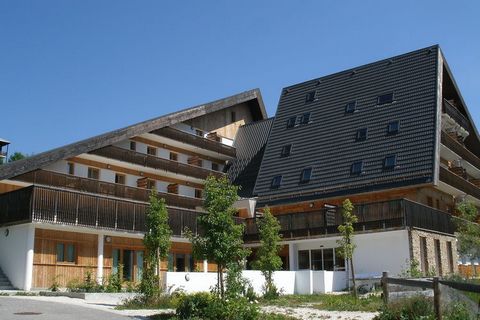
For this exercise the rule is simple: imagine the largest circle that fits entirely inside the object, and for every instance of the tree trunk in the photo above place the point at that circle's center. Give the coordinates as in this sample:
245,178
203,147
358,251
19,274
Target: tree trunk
353,279
158,271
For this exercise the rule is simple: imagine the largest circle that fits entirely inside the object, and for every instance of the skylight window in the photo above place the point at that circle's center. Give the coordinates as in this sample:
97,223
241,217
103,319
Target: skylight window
351,107
357,167
385,98
390,162
291,122
306,175
276,182
310,97
305,118
362,134
286,150
393,127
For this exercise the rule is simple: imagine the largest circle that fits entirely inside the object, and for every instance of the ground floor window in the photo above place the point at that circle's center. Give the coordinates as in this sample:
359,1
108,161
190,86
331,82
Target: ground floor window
66,252
321,259
132,262
180,262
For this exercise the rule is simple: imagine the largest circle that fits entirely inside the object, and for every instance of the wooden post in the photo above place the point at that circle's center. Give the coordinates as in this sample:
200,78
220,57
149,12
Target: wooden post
385,287
436,298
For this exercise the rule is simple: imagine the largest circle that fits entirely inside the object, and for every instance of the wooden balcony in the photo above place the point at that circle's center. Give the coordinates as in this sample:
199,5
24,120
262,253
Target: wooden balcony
458,182
57,206
197,141
455,114
398,214
460,150
49,178
146,160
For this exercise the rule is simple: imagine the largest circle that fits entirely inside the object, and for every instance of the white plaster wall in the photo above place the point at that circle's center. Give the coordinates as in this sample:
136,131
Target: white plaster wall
284,280
123,144
303,282
163,153
318,282
59,166
186,191
183,158
162,186
13,253
107,175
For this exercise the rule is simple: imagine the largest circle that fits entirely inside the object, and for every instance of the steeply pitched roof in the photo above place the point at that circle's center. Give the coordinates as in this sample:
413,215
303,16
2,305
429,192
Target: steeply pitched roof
328,142
252,97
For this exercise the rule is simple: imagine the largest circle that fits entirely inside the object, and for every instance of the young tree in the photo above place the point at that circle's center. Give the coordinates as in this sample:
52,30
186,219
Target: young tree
347,247
268,259
468,231
157,244
221,240
16,156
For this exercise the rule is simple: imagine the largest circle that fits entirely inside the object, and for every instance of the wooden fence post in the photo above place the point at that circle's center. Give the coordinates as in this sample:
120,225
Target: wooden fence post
436,298
385,287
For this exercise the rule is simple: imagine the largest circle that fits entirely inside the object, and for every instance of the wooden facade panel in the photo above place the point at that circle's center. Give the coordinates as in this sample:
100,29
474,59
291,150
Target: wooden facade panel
6,187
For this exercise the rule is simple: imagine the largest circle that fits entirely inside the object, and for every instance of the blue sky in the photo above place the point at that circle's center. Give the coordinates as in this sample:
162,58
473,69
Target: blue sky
73,69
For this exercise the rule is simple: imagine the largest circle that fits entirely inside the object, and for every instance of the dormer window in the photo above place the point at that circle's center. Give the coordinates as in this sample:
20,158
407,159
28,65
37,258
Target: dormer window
390,162
133,145
151,151
310,97
306,175
385,98
393,127
286,150
291,122
357,167
362,134
276,182
351,107
305,118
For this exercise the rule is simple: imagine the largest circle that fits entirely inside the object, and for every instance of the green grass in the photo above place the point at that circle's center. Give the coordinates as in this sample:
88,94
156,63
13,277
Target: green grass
330,302
264,316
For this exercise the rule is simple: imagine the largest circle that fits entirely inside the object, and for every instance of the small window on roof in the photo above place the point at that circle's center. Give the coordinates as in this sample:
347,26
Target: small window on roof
362,134
390,162
385,98
306,175
351,107
357,167
286,150
310,97
305,118
393,127
276,181
291,122
133,145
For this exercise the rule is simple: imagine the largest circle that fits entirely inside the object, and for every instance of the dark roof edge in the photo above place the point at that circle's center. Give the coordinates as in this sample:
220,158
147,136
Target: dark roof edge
42,159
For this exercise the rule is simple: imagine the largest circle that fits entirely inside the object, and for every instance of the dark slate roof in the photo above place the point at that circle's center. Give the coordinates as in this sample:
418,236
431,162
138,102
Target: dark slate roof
328,144
252,97
250,144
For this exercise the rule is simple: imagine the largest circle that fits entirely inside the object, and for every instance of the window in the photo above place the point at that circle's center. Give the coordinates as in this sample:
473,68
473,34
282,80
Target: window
357,167
276,181
93,173
71,168
173,156
430,202
286,150
303,259
438,257
423,255
305,118
385,98
450,256
215,166
119,178
393,127
199,133
291,122
65,252
321,259
151,151
306,175
151,184
317,260
390,162
133,146
328,260
198,193
351,107
233,116
310,97
362,134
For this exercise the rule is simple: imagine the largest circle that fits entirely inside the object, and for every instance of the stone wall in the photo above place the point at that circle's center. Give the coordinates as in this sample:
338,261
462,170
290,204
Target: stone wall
430,237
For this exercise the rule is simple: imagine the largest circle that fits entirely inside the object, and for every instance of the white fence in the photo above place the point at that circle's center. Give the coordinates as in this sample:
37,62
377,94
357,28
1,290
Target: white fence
288,282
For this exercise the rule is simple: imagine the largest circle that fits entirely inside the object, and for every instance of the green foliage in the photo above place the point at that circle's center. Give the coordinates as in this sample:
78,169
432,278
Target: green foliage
115,280
458,311
236,285
222,240
347,247
412,270
16,156
468,232
55,284
413,308
268,259
157,243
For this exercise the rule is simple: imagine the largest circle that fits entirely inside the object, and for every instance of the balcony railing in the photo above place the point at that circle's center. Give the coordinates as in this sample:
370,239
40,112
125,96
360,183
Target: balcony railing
145,160
459,149
50,205
456,115
197,141
55,179
374,216
460,183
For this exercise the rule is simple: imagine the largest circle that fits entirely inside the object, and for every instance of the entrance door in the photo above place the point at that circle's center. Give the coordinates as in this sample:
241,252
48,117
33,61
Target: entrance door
128,265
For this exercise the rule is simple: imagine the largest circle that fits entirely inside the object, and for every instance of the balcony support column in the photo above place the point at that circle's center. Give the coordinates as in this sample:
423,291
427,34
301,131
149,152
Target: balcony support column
30,243
205,265
292,256
101,238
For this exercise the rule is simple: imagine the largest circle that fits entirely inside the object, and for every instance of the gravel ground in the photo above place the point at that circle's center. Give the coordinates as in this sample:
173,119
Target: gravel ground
311,314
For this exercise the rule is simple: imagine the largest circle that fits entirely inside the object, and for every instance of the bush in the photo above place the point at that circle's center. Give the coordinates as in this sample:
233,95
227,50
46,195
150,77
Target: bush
458,311
413,308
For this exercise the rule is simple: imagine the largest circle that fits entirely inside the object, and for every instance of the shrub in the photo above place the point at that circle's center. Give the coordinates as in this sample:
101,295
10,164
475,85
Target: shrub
413,308
458,311
194,305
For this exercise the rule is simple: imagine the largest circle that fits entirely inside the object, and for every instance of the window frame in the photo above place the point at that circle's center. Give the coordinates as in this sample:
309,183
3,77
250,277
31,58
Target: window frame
351,104
198,193
71,168
215,166
123,176
303,179
353,167
233,117
291,122
306,118
284,152
66,245
310,96
133,146
93,169
359,136
276,182
380,96
390,166
390,131
173,156
152,151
